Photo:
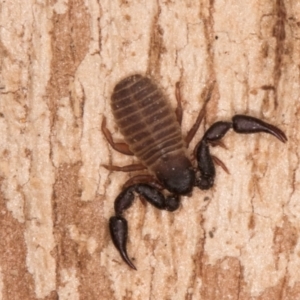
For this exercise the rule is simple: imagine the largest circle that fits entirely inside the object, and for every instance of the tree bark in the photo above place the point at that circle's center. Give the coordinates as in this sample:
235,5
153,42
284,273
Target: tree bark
59,64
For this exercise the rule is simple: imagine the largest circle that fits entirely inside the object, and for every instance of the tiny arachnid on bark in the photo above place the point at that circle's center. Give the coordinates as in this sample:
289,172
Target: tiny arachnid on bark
152,133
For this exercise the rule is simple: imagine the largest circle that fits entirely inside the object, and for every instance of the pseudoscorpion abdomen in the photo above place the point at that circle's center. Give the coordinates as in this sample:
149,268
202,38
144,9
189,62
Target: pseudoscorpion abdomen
146,119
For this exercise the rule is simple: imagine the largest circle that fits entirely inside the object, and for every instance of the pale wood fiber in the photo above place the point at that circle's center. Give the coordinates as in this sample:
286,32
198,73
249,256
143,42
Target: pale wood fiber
59,63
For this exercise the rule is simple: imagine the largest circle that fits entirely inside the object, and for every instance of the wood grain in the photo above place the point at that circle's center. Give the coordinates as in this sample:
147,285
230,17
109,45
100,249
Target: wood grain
59,64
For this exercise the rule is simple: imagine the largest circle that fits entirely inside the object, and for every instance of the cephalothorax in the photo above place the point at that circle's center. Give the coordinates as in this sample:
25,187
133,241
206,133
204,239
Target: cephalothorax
152,133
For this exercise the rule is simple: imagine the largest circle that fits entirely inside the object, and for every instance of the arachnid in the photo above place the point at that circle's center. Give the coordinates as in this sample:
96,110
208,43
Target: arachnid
152,133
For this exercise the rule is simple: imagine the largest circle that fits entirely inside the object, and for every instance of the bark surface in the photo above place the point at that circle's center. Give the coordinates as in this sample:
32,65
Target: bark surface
60,61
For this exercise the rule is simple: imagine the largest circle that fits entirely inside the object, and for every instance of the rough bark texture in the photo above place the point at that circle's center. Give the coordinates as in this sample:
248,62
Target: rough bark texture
59,63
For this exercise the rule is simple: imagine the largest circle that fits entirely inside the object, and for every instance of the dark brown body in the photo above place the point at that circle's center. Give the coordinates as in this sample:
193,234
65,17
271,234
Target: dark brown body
152,133
150,127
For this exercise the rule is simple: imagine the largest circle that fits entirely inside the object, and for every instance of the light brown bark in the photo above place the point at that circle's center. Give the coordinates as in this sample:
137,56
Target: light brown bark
59,63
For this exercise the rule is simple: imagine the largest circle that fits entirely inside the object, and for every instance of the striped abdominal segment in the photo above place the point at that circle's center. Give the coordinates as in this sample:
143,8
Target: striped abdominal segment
146,119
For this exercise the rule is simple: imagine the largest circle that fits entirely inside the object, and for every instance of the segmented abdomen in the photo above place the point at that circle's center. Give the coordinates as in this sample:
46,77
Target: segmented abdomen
145,119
